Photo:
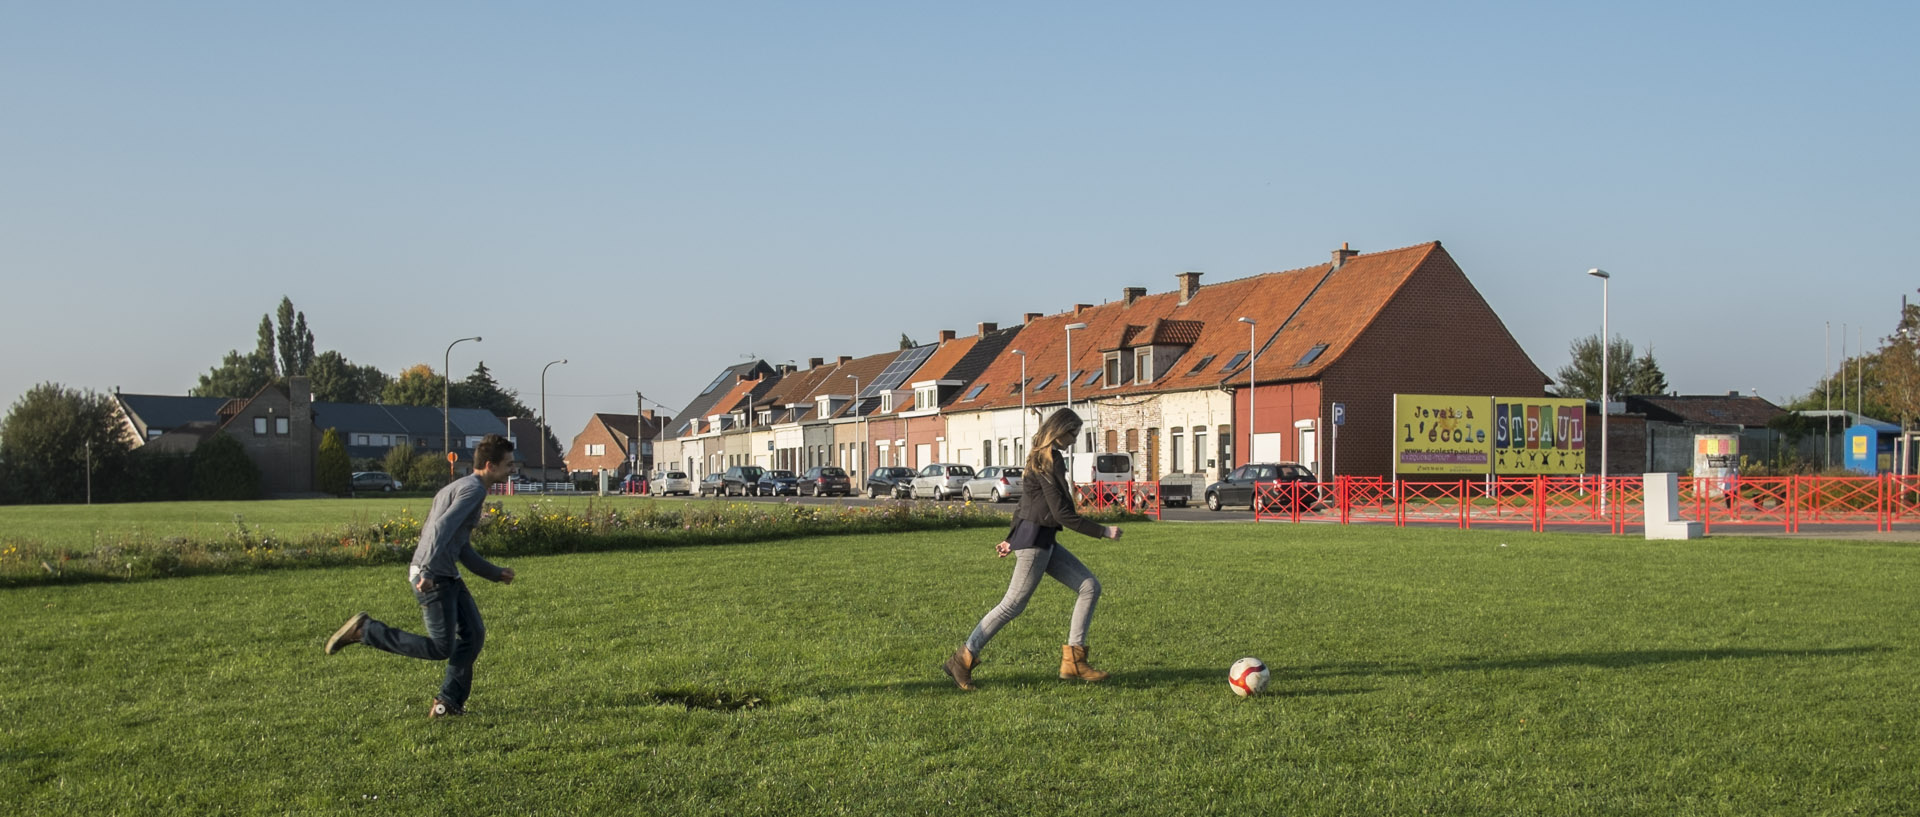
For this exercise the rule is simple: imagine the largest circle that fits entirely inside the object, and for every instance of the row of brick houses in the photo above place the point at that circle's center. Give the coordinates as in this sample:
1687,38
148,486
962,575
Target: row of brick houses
1164,376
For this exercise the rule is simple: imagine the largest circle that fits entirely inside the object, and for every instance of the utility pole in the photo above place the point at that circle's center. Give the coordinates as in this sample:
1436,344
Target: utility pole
639,429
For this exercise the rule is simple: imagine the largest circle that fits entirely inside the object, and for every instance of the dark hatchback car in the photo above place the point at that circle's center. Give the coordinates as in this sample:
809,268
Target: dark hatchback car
889,480
1238,487
826,481
741,480
777,482
712,485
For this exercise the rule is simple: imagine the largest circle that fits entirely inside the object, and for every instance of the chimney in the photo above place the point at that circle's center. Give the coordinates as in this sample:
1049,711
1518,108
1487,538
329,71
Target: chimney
646,414
1734,393
946,335
1189,286
844,359
988,327
1341,255
786,368
1131,294
1030,317
816,362
1079,308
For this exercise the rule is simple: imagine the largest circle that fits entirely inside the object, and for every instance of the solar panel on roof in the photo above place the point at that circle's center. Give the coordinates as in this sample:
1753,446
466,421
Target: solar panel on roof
899,370
716,381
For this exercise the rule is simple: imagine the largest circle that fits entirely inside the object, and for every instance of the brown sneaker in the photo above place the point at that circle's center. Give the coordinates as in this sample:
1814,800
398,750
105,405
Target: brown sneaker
442,709
349,633
960,667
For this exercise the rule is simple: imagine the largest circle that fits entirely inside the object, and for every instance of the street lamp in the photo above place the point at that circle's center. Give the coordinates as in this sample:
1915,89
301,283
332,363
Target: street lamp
1023,386
1605,352
1247,455
1023,391
860,457
543,417
446,399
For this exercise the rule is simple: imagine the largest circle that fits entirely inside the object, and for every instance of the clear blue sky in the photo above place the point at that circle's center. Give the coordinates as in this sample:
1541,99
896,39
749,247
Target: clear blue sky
654,190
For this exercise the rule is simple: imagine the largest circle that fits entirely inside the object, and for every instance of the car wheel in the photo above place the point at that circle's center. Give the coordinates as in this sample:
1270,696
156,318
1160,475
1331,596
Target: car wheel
997,497
967,494
1213,501
388,489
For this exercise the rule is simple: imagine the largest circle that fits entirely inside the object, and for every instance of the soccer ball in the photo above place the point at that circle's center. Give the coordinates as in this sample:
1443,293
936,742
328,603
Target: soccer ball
1248,676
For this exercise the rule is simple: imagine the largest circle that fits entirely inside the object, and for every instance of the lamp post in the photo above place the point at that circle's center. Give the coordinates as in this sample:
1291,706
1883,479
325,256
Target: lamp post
1023,386
1247,456
446,398
543,417
1606,351
860,457
1023,391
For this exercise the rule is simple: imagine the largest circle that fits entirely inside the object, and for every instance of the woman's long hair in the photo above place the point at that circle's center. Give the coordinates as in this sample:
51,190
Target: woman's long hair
1056,432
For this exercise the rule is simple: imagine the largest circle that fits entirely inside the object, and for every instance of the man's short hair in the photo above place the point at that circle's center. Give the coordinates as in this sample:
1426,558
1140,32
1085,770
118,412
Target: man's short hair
492,449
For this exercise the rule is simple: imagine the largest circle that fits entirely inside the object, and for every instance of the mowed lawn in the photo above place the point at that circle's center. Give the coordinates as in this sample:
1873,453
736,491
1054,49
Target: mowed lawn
1415,672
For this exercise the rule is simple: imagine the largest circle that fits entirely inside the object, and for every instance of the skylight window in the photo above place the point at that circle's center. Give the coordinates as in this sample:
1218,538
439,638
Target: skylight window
1045,383
974,392
1201,365
1311,355
1092,378
1235,362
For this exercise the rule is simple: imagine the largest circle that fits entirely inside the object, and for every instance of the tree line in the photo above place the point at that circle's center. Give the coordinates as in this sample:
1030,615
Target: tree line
61,444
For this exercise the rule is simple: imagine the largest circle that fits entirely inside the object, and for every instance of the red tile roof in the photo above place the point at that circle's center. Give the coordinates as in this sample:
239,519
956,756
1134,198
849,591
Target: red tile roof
1294,311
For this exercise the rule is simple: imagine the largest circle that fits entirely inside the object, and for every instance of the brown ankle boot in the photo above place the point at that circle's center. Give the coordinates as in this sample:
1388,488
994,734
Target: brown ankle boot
960,667
1073,664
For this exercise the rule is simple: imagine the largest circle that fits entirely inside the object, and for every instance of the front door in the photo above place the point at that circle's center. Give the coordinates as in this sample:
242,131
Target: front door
1309,450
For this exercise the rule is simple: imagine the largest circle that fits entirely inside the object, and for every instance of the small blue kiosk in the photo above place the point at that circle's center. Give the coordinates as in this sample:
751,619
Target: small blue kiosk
1869,446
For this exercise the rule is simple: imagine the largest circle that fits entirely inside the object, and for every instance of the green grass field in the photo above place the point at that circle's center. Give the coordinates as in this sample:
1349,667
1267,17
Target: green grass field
1415,672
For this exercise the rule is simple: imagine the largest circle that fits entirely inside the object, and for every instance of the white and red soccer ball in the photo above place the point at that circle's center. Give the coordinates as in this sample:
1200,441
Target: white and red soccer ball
1247,677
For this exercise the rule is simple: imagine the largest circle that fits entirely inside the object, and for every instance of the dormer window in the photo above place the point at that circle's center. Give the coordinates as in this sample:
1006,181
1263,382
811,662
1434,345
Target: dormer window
1143,365
886,402
925,397
1116,369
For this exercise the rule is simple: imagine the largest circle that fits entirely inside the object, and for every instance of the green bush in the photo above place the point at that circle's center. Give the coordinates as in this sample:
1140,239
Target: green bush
428,472
399,461
152,477
222,470
334,471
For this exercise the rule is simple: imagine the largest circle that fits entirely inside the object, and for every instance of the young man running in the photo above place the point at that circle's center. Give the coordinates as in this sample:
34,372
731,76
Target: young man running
455,632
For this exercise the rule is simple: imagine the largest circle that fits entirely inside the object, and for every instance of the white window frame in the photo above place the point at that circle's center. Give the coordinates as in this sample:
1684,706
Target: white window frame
1143,365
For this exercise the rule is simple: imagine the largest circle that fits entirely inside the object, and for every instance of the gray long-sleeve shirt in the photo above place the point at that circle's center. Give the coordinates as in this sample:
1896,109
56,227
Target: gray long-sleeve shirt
447,535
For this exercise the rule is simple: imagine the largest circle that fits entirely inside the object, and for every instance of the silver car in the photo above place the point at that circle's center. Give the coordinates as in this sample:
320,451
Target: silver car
670,483
940,480
996,482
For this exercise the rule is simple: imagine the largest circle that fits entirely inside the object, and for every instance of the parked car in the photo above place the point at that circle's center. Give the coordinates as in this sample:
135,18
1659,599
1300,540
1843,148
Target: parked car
891,480
826,481
374,481
713,485
633,484
741,480
524,485
672,482
940,480
777,482
1238,487
996,482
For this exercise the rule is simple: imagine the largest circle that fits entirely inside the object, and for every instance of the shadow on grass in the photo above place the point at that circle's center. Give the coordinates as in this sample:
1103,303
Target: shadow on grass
1600,660
1122,679
1155,677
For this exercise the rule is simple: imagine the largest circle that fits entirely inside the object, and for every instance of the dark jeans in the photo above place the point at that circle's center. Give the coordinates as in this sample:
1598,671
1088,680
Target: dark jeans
455,635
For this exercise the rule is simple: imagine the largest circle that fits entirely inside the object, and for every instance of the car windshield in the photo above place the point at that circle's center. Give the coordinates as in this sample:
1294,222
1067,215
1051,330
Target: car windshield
751,473
832,472
780,474
899,472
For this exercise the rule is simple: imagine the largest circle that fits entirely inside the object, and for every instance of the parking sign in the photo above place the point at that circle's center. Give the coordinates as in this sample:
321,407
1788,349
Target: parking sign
1339,414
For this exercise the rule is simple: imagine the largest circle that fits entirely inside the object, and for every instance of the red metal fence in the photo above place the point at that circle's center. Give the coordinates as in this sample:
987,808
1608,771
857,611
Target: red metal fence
1783,503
